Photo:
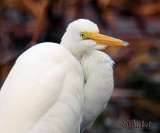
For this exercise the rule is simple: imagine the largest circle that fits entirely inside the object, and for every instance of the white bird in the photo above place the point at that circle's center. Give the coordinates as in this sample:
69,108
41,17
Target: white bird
59,88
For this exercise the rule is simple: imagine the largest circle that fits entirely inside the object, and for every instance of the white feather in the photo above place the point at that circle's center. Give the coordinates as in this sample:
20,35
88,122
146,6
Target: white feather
38,95
98,72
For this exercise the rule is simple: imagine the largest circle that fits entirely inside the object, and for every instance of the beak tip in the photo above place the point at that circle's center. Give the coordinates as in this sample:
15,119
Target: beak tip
126,43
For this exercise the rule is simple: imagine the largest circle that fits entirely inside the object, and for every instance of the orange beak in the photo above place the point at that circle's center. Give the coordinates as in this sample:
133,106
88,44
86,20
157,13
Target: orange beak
106,40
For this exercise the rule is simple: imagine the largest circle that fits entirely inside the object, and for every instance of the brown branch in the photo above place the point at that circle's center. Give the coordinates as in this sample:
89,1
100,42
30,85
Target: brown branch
39,9
148,9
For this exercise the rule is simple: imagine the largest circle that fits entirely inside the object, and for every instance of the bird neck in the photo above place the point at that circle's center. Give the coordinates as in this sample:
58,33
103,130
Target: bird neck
78,53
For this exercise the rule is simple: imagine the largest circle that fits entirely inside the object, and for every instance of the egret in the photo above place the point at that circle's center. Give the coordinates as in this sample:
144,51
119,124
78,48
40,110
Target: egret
59,88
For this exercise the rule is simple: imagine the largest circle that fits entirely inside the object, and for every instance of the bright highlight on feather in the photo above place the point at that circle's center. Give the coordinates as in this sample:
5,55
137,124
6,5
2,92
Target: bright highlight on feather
62,88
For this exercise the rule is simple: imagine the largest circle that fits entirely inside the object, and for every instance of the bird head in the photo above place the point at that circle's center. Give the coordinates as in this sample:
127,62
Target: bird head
83,35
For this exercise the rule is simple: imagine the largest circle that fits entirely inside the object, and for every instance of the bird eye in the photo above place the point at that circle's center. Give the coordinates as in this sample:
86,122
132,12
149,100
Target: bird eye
82,35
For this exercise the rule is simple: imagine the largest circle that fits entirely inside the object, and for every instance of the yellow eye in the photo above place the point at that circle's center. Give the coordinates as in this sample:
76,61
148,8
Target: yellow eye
82,35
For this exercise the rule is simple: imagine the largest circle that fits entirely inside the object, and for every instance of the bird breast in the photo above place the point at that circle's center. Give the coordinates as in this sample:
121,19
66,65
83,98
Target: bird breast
98,73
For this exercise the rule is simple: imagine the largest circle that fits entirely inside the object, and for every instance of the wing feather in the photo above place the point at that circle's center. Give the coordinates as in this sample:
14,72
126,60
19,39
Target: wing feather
39,92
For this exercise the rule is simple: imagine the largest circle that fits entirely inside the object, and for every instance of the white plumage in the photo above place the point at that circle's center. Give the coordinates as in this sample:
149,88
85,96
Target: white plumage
39,95
99,85
59,88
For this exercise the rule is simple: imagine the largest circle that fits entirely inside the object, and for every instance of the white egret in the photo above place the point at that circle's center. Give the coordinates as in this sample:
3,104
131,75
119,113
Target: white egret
56,88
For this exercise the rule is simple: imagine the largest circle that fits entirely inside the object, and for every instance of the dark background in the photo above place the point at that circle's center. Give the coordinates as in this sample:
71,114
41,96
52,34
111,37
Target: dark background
24,23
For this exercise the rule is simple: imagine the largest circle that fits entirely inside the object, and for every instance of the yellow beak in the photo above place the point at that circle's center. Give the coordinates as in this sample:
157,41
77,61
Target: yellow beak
106,40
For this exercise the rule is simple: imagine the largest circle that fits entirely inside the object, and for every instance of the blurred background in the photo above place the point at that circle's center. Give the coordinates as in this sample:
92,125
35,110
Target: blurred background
136,96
